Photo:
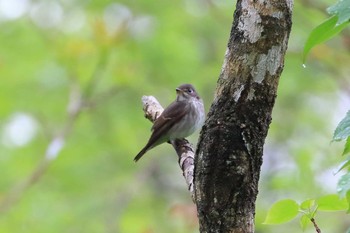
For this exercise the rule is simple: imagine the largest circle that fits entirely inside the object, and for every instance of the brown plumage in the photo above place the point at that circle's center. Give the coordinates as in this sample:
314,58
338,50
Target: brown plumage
179,120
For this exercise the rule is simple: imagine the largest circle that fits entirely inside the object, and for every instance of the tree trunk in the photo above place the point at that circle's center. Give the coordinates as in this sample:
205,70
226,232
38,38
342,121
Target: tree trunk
230,148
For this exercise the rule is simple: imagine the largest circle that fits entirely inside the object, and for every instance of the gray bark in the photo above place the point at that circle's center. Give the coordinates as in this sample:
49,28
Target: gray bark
230,148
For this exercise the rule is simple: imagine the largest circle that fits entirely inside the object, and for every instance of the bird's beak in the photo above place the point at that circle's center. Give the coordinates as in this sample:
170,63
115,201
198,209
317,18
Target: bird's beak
178,90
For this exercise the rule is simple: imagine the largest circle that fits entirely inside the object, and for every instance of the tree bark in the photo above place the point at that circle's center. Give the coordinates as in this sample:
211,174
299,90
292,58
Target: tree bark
230,148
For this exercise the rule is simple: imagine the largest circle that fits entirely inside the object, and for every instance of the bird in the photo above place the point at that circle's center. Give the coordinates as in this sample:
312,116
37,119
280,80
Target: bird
179,120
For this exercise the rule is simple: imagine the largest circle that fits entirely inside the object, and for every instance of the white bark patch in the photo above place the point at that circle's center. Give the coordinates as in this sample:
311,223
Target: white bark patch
277,15
259,70
237,93
249,22
274,59
290,5
224,68
251,94
247,144
267,62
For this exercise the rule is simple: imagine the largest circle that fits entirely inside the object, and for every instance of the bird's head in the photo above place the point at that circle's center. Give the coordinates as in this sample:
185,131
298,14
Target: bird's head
186,91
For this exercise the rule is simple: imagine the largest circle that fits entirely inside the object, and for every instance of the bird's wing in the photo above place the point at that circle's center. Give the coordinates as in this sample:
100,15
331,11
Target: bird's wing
172,114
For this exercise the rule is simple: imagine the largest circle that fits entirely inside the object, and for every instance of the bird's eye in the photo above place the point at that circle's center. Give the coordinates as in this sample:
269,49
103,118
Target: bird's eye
189,90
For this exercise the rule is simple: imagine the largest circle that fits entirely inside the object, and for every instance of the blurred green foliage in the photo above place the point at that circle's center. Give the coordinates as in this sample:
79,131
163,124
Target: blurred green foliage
52,53
340,15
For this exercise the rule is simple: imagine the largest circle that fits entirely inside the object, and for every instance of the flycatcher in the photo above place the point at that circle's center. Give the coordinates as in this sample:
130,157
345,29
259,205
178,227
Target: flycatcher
179,120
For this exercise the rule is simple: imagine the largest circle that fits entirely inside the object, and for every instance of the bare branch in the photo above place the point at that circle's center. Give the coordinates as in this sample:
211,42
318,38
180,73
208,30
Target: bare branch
151,107
183,148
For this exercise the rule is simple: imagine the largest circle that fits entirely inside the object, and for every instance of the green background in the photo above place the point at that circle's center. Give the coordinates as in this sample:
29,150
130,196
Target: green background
112,53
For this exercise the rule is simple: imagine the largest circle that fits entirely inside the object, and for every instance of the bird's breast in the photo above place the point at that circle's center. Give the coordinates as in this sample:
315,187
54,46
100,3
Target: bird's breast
192,120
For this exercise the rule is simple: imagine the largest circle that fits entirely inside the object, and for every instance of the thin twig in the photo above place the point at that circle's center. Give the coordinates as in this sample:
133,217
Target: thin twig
318,230
183,148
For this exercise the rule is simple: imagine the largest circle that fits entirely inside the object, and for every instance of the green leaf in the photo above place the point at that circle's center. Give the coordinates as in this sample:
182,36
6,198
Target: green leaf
344,164
348,199
344,185
343,129
342,9
307,204
332,202
309,208
304,222
282,211
322,33
347,147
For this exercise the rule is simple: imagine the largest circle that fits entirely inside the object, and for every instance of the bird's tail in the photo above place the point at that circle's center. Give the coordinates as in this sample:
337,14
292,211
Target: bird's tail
153,142
141,153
